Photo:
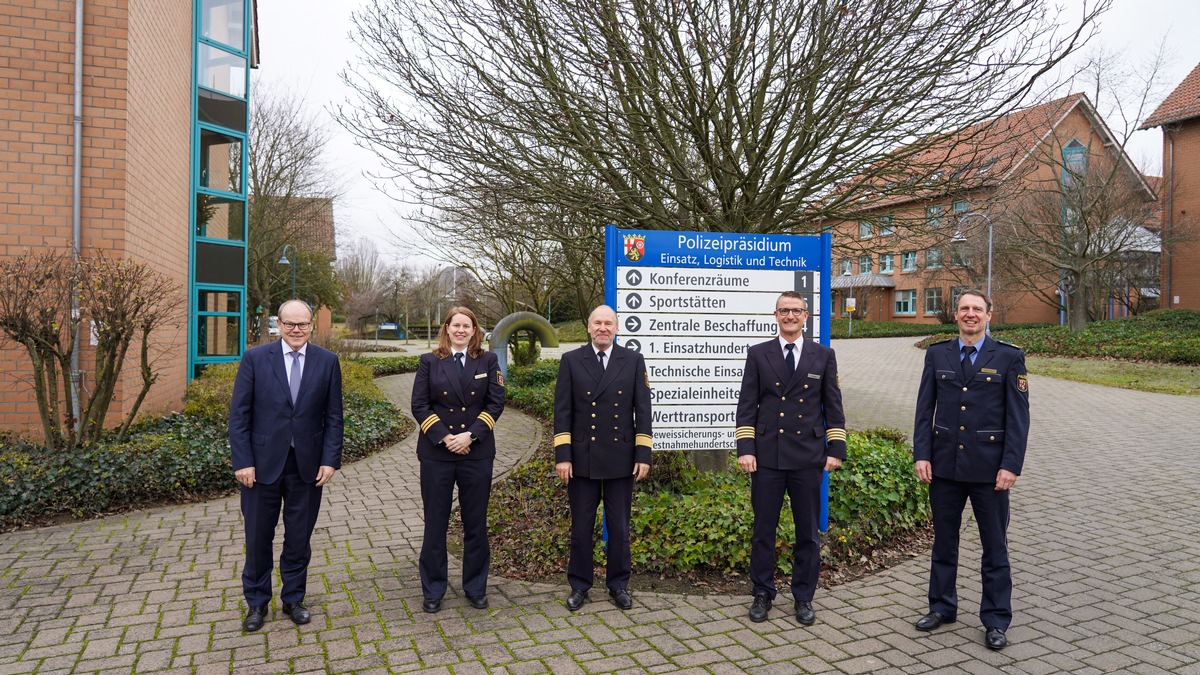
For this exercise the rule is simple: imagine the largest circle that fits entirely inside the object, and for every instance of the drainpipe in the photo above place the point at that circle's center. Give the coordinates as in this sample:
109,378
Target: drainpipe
1165,242
76,229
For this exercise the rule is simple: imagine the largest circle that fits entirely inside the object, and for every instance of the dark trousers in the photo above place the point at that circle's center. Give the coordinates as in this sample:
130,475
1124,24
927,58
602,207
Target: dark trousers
584,495
947,498
474,480
803,487
261,505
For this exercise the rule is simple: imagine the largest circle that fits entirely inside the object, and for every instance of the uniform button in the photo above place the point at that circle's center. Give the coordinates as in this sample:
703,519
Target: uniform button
797,432
615,429
472,393
781,414
784,398
445,393
776,384
464,410
781,431
619,392
960,447
615,441
616,405
962,428
616,417
593,414
593,426
989,379
964,388
963,408
799,417
802,400
991,438
593,404
464,426
593,438
589,393
806,386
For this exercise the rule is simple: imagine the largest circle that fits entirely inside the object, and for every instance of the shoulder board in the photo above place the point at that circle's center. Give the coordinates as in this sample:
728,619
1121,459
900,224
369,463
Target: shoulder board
942,342
1007,344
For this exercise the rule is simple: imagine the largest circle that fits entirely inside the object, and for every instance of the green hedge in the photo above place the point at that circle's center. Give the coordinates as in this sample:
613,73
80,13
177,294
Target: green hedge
839,328
1165,336
685,520
177,458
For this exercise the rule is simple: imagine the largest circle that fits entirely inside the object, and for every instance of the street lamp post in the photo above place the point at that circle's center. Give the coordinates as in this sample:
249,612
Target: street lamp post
850,328
283,260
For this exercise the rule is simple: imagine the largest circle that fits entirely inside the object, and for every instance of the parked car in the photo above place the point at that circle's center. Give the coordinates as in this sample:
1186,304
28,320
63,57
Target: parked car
273,326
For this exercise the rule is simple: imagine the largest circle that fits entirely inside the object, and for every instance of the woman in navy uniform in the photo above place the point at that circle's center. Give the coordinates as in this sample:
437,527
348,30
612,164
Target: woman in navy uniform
457,397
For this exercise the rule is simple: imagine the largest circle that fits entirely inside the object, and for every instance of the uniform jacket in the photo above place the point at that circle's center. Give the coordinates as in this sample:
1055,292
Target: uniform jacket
263,423
971,430
791,420
602,416
444,402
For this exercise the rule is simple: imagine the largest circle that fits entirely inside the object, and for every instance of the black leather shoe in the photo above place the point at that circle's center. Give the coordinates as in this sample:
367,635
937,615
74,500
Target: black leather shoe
297,612
478,601
254,618
621,599
576,599
994,639
432,605
933,620
760,608
805,613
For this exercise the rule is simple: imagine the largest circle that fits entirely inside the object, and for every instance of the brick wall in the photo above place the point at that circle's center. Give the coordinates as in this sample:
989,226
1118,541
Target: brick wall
137,211
1185,206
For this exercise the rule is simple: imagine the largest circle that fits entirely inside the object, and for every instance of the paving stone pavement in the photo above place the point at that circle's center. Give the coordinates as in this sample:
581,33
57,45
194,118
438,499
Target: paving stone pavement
1105,549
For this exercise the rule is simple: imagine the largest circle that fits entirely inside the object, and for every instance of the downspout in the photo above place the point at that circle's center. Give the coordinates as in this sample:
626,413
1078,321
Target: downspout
1170,132
76,228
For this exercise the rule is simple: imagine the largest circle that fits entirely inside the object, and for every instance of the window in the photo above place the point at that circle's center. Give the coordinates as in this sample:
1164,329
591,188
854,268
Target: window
885,226
885,263
955,294
960,206
222,21
908,261
933,258
906,302
864,264
934,215
933,300
959,257
864,230
847,266
222,71
1074,163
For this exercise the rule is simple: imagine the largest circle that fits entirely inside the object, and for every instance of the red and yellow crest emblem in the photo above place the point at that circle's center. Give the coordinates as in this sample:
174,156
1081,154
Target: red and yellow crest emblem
635,247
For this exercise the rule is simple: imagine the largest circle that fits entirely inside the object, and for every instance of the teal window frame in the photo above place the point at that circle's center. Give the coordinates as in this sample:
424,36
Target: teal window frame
906,302
886,263
865,230
908,261
886,228
935,216
864,264
933,258
933,300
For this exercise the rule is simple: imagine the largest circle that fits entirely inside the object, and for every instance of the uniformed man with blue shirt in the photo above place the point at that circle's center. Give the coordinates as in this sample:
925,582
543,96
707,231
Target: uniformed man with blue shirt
969,438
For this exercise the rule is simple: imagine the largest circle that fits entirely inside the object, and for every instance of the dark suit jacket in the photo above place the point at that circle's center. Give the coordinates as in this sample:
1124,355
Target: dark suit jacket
263,422
969,430
445,402
791,420
602,417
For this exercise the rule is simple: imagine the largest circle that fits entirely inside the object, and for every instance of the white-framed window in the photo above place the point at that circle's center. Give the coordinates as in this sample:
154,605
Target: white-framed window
959,257
885,263
906,302
933,300
864,264
933,258
934,215
885,226
847,267
960,206
908,261
865,231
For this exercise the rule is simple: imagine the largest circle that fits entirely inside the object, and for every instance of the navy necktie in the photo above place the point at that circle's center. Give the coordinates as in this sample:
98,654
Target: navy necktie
458,360
601,356
790,359
967,366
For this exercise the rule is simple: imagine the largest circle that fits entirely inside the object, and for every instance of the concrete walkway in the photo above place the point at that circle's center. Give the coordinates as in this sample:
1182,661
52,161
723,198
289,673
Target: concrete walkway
1105,549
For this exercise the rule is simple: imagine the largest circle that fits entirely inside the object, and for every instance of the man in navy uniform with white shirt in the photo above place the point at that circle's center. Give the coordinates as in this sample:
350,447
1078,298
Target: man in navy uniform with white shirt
969,439
602,445
791,430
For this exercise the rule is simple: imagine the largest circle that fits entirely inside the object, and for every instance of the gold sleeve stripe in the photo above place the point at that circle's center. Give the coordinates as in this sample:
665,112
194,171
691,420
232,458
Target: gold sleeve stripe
835,435
644,439
744,432
562,439
488,420
429,422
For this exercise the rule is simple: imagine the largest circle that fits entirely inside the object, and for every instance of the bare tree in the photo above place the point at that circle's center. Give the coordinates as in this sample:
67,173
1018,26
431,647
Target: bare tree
739,116
1080,228
290,187
366,281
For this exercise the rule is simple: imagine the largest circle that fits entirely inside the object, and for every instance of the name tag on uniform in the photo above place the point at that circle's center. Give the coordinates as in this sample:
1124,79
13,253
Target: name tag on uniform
483,375
993,371
814,376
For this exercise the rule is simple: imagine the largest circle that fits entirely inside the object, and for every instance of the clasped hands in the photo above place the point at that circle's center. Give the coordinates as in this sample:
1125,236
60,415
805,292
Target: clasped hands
459,444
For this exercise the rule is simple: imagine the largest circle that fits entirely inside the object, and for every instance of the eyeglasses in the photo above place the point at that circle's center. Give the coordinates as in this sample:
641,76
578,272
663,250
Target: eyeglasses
288,325
793,311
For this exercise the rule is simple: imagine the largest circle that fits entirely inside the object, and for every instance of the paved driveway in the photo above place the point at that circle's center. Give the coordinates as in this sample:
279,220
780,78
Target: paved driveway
1105,548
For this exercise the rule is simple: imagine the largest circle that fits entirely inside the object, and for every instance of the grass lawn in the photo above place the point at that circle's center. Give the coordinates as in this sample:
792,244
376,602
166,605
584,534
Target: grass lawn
1155,377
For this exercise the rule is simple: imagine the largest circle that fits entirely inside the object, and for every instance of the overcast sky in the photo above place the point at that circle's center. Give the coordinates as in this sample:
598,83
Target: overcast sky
305,44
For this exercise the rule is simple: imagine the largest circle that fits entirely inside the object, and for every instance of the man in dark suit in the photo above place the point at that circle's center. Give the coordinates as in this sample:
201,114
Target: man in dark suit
969,443
285,433
602,445
791,430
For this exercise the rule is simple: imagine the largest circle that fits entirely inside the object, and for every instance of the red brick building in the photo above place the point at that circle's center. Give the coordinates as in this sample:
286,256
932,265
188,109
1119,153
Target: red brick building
1179,117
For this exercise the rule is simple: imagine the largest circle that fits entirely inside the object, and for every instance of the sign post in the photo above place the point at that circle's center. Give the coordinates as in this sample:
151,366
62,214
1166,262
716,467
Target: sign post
692,303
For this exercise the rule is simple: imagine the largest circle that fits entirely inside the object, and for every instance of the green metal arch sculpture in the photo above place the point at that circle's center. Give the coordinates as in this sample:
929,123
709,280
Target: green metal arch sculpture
517,321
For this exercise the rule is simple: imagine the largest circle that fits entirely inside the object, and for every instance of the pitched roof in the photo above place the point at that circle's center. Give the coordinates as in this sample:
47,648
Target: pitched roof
1182,104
